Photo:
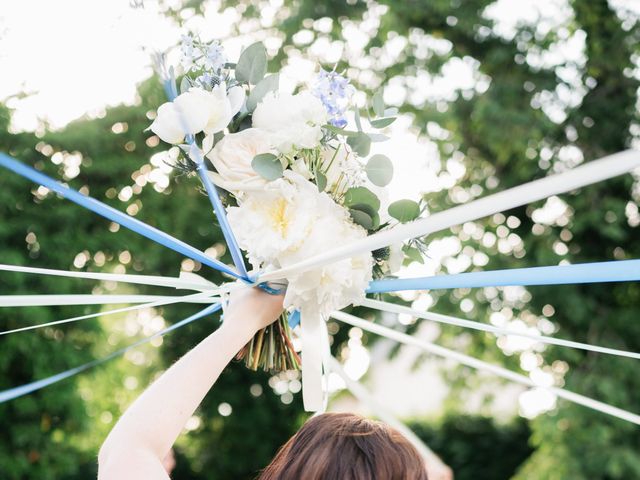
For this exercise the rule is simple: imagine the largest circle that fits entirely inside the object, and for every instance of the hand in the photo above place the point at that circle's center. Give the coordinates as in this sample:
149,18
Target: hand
252,309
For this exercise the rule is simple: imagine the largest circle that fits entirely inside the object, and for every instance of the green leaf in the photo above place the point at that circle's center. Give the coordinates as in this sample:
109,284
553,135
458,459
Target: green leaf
361,144
185,84
268,166
390,112
379,170
321,181
357,119
361,218
252,64
371,213
404,210
377,103
382,122
266,85
361,195
413,254
340,131
377,137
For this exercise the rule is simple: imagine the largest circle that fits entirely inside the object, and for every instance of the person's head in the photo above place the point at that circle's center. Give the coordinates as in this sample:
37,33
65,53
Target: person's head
348,447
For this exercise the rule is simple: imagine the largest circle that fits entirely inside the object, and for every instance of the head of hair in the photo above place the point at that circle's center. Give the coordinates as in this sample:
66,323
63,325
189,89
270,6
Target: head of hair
347,447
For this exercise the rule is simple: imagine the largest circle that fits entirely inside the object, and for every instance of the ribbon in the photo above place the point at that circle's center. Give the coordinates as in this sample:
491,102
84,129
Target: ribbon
310,335
616,271
107,312
485,366
587,174
114,215
89,299
22,390
212,192
436,317
195,282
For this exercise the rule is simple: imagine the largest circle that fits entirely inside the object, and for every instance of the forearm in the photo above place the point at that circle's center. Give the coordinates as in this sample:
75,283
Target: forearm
154,421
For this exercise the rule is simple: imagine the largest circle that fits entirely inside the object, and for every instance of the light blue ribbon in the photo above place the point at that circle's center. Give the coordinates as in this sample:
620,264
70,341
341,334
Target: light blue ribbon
615,271
113,214
16,392
212,193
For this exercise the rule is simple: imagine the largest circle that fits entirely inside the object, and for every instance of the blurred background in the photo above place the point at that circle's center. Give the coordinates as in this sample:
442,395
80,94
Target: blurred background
492,94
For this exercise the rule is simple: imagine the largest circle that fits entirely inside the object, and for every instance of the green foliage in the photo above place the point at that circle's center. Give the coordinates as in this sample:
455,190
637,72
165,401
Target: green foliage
477,448
268,166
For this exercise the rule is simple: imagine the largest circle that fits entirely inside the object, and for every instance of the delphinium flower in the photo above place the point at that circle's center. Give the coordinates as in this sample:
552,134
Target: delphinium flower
198,55
335,93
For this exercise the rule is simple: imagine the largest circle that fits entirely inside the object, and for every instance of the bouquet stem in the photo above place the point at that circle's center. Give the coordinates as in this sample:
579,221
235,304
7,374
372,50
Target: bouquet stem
271,348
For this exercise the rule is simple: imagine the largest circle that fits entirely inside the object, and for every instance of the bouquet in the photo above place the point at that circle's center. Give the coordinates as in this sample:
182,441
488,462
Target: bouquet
296,180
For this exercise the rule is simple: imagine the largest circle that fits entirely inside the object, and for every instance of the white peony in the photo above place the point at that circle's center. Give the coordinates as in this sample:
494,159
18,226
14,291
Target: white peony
290,220
275,219
294,121
232,157
197,110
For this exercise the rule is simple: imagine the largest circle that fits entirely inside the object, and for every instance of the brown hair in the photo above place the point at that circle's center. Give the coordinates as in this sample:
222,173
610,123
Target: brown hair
347,447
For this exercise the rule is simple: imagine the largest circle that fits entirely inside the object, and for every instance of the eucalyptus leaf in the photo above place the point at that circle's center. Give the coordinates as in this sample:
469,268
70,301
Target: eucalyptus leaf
390,112
361,195
377,137
404,210
252,64
185,84
370,211
361,218
340,131
266,85
360,143
413,254
321,181
377,103
382,122
357,119
268,166
379,170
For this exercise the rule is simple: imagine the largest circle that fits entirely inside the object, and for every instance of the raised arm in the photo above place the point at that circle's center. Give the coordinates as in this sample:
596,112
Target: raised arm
146,431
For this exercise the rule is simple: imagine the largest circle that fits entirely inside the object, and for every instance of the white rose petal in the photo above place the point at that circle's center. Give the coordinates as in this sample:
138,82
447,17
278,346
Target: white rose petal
294,121
232,157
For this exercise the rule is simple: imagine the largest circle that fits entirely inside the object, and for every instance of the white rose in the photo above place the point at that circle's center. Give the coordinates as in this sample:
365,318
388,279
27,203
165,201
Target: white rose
232,157
294,121
197,110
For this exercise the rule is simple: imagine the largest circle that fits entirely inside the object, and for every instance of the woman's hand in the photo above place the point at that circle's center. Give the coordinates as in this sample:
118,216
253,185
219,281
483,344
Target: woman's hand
251,309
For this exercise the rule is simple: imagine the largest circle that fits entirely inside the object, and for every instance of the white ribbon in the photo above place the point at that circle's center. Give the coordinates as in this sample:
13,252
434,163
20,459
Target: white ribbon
592,172
187,281
482,365
459,322
88,299
311,332
111,312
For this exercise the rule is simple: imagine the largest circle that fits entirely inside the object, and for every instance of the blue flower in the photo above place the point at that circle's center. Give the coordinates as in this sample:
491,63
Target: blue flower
334,91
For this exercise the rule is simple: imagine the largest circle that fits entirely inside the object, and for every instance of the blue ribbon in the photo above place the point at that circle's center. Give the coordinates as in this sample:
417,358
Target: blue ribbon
16,392
113,214
212,193
615,271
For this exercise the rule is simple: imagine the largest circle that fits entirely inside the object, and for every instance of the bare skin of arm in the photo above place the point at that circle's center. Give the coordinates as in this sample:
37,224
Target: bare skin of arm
145,433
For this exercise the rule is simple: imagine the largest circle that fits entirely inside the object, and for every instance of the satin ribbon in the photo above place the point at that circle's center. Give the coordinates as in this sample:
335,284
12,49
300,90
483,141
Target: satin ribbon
90,299
587,174
597,272
311,332
212,192
22,390
446,319
485,366
114,215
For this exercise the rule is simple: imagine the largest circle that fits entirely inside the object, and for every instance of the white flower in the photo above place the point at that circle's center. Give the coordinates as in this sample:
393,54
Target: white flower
396,257
294,121
197,110
290,220
232,157
275,219
341,167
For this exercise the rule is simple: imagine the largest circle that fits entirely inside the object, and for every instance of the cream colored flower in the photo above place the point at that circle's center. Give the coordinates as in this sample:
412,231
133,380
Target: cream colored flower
232,157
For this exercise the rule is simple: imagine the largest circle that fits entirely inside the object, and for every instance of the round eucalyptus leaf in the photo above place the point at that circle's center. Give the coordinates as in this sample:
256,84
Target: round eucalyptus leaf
363,195
379,170
361,218
268,166
368,209
252,64
404,210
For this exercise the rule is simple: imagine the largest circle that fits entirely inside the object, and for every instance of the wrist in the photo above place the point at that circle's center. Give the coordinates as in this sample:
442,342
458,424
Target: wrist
240,326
